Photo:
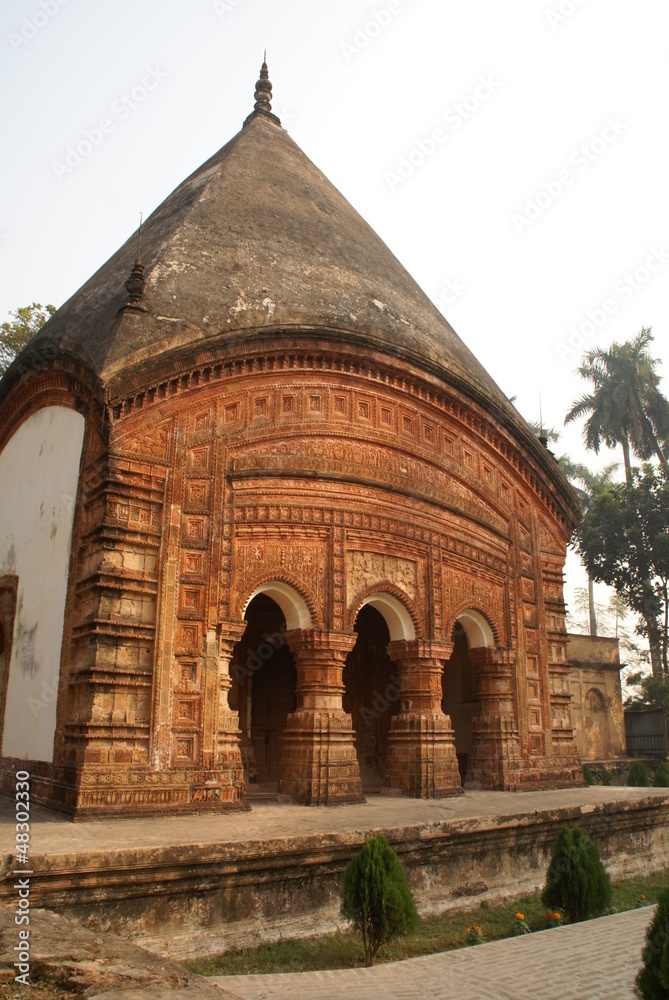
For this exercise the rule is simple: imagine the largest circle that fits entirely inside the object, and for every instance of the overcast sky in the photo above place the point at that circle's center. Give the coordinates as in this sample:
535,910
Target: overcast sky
514,156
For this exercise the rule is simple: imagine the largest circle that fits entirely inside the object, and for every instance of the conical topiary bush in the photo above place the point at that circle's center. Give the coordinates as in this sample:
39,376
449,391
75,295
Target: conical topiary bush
652,981
638,776
661,776
577,881
376,896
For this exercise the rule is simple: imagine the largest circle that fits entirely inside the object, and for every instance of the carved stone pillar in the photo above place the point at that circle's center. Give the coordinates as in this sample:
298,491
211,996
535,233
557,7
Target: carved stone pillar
227,751
319,765
421,759
495,760
564,749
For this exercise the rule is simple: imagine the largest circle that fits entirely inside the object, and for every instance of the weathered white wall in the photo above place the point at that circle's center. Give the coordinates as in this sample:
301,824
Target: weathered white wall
39,471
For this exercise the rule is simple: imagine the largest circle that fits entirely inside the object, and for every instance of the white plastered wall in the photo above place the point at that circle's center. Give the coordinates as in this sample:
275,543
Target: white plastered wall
39,472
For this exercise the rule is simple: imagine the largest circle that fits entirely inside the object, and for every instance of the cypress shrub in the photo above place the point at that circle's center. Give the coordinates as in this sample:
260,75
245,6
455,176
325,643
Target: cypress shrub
588,775
376,896
661,776
652,981
638,776
577,881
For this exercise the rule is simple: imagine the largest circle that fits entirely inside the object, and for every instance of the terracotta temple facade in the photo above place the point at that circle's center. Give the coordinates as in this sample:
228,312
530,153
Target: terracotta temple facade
267,523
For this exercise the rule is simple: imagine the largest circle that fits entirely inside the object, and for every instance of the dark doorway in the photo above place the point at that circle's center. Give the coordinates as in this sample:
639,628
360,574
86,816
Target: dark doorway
371,696
263,690
459,695
8,588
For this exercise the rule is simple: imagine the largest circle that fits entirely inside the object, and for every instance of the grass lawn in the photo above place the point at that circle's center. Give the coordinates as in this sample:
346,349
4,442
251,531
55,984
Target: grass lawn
439,933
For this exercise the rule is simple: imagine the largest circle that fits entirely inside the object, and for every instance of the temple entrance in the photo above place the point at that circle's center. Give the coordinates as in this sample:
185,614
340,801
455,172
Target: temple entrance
263,690
459,695
371,695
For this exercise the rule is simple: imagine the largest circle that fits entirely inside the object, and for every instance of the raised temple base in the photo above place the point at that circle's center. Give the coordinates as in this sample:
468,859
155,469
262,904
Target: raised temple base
91,791
217,882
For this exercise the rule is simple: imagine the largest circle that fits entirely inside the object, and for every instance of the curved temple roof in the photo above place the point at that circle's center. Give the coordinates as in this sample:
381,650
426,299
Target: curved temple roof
257,240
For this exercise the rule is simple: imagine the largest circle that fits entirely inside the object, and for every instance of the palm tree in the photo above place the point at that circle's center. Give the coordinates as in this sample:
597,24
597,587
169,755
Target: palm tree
626,406
591,483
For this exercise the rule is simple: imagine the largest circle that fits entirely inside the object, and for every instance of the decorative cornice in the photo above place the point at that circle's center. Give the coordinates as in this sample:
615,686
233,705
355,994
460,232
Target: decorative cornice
454,400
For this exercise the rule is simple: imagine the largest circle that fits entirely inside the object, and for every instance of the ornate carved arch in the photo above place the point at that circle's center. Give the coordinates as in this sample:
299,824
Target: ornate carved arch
385,587
459,611
280,584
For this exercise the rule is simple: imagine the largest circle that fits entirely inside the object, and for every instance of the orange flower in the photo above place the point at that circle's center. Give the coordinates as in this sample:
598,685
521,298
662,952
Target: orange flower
642,896
545,917
520,916
467,929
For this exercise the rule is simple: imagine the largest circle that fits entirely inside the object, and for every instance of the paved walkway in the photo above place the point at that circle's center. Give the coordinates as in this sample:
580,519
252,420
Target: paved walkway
597,960
52,834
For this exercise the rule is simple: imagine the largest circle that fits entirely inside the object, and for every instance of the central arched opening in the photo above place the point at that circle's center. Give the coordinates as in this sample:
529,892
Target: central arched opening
371,695
459,695
263,691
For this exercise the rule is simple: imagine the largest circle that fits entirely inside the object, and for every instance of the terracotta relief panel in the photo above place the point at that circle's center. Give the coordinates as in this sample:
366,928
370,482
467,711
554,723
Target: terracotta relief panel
188,638
367,461
462,590
199,459
201,422
365,569
153,442
340,406
295,558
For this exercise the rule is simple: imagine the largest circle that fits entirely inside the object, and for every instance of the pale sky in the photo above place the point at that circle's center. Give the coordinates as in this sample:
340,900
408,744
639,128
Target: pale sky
514,156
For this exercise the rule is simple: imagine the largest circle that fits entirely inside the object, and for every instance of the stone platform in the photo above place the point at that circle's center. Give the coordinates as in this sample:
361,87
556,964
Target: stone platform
195,885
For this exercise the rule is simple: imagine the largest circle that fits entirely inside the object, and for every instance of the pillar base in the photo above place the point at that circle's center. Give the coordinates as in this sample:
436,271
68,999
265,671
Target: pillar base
319,766
421,760
495,761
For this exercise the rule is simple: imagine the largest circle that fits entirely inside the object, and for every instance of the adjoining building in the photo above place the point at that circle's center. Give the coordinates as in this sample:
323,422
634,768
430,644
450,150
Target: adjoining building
597,704
266,519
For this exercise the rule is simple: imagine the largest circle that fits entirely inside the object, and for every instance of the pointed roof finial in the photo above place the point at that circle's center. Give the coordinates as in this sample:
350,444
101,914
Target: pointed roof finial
543,438
136,284
139,235
263,95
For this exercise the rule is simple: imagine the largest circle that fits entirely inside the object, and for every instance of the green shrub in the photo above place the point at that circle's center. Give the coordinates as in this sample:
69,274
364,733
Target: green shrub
652,981
638,776
474,934
604,776
661,776
376,897
520,926
588,775
577,881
